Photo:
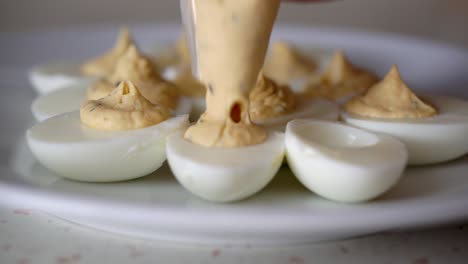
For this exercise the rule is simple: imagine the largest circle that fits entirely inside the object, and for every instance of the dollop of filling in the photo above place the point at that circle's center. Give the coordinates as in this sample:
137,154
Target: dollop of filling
123,109
214,130
104,65
286,63
390,98
269,100
341,79
141,71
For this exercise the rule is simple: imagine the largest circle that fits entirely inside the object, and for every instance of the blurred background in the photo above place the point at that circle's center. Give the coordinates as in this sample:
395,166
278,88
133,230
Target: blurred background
444,20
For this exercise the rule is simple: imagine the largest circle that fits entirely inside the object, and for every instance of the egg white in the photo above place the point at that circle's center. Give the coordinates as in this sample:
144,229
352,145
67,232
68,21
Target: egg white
54,76
58,102
70,99
224,174
75,151
343,163
429,140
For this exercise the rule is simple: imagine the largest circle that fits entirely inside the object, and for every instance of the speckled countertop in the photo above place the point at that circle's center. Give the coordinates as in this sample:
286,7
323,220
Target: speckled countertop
32,237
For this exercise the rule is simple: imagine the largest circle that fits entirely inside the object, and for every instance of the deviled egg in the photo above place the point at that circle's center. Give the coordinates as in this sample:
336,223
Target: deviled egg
273,105
142,71
286,65
119,137
133,66
433,128
50,77
340,81
69,99
343,163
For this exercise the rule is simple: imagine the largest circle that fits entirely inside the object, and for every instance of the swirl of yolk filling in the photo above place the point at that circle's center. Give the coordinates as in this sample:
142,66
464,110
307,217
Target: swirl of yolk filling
123,109
140,70
286,63
390,98
341,79
269,100
104,65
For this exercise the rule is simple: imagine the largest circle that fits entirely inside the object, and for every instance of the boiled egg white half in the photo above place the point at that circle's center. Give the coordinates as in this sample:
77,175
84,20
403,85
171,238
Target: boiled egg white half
54,76
343,163
72,150
315,108
70,99
429,140
224,174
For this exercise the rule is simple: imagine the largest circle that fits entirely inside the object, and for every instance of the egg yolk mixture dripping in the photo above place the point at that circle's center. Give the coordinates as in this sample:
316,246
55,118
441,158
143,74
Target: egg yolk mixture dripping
104,65
390,98
231,41
269,100
286,63
141,71
123,109
340,79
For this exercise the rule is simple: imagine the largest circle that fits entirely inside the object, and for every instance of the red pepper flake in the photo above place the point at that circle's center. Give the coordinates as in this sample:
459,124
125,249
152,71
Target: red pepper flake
62,260
68,260
6,247
422,260
344,250
23,261
76,257
134,252
295,260
216,252
456,249
21,212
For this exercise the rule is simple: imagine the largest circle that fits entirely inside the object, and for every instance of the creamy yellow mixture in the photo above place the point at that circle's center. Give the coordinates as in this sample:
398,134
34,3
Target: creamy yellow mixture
390,98
141,71
341,79
124,108
286,63
231,41
269,100
104,65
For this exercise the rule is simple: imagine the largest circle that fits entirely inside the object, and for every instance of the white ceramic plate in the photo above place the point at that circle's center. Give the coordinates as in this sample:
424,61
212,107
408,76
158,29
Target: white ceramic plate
157,207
